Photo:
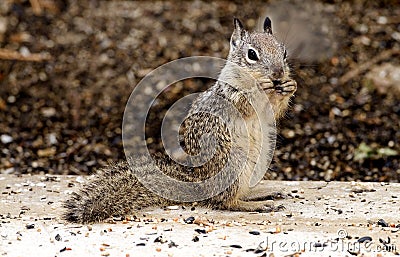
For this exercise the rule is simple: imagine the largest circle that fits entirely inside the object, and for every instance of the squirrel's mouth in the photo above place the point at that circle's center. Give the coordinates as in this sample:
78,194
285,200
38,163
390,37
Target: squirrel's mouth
276,83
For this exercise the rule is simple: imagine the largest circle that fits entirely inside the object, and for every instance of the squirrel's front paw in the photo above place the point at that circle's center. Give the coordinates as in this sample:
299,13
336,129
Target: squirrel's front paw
285,88
266,84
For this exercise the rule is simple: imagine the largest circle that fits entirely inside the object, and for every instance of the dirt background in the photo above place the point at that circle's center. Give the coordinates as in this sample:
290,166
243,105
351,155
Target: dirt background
67,69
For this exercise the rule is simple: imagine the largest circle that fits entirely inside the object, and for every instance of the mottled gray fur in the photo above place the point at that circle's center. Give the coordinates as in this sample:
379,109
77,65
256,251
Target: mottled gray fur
236,132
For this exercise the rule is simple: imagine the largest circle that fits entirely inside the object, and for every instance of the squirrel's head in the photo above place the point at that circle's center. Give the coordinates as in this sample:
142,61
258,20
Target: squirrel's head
259,53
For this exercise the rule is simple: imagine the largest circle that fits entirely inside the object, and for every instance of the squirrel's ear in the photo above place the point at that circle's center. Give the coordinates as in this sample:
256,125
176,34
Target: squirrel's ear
238,24
237,32
267,25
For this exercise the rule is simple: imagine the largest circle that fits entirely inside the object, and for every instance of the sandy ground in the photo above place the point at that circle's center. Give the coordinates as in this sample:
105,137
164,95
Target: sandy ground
320,219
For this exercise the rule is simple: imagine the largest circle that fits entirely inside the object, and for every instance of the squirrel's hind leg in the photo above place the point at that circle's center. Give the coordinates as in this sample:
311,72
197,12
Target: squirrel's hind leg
260,206
258,193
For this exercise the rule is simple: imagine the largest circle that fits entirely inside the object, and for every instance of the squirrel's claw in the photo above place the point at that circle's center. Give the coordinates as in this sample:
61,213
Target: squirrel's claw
274,208
288,87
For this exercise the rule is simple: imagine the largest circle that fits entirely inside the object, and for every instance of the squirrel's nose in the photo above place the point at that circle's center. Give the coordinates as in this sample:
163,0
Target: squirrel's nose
277,72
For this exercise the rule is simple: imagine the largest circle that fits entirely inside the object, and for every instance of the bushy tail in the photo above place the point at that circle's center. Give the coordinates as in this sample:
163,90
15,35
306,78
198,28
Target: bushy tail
114,191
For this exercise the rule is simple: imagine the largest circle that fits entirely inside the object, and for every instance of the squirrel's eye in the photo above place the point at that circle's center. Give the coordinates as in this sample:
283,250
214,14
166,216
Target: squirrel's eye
252,55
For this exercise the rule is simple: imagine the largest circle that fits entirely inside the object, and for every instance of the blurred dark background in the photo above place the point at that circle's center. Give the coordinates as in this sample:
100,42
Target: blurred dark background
67,69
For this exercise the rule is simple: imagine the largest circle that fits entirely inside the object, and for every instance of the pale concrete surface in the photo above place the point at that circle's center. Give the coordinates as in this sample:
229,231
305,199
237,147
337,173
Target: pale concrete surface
321,219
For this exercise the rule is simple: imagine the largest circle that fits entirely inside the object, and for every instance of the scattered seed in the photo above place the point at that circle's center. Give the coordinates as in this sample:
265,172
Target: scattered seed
30,226
382,223
189,220
236,246
58,237
65,249
202,221
119,218
195,239
160,239
200,231
256,233
172,244
173,207
141,244
222,236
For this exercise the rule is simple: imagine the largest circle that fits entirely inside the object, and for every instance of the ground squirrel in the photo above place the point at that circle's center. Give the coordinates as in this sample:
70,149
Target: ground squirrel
115,190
